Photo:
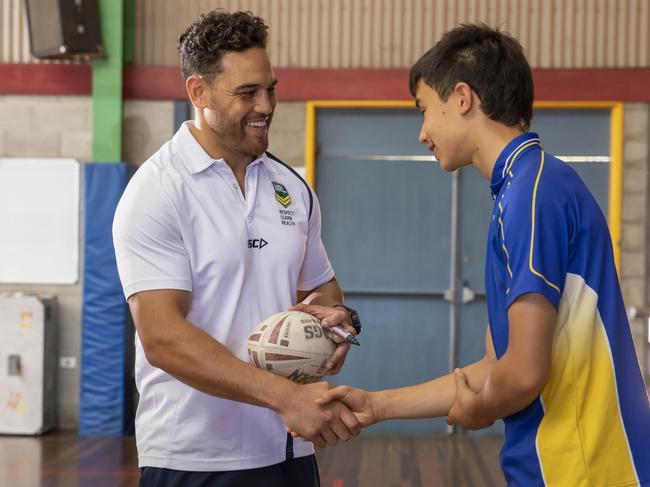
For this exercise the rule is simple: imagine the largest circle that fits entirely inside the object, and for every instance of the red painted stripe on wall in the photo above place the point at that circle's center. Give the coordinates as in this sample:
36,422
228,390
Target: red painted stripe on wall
302,84
154,82
45,79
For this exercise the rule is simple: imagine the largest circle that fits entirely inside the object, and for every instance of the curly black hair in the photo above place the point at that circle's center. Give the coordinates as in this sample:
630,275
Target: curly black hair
205,41
491,62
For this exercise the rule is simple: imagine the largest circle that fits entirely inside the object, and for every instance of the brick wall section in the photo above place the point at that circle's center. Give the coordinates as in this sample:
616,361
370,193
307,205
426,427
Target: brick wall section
46,126
636,218
147,126
52,126
287,136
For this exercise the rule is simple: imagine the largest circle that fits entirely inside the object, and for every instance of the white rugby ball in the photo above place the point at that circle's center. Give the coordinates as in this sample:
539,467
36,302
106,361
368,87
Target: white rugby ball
291,344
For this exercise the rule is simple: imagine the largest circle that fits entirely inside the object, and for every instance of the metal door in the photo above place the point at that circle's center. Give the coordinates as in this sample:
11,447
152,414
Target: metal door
407,240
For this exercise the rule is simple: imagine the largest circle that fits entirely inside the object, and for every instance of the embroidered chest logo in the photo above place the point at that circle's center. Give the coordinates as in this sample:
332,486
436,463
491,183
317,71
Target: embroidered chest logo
281,194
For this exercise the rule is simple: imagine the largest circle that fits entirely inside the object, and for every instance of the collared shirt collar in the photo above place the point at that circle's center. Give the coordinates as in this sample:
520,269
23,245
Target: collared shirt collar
514,150
194,157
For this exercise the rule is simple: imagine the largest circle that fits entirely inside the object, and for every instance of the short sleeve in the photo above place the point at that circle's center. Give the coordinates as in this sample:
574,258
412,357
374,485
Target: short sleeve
535,238
316,268
148,244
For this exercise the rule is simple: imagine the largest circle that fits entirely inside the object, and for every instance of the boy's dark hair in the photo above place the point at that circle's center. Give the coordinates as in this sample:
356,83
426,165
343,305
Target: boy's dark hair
491,62
206,40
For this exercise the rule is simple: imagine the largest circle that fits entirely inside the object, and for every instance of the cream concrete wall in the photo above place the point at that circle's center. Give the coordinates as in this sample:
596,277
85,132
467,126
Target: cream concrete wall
46,126
287,135
636,218
147,126
53,126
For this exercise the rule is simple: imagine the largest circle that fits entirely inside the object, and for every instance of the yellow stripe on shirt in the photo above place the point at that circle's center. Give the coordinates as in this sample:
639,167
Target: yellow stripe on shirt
514,158
503,239
580,441
532,227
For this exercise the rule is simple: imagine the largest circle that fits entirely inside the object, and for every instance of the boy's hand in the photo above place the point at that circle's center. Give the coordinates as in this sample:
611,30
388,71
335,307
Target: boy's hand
361,403
466,410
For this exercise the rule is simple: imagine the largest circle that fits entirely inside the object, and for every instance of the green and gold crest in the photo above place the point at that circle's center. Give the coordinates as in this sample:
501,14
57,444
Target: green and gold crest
281,194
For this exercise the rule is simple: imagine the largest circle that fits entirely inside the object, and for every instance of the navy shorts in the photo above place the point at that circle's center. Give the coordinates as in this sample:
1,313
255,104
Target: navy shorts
296,472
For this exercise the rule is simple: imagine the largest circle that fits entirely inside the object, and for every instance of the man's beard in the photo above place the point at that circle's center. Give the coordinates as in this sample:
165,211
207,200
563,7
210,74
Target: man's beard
232,135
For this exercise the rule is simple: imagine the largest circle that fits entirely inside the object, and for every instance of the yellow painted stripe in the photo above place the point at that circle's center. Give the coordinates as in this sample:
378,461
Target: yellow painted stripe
616,179
586,105
363,103
581,440
310,144
532,227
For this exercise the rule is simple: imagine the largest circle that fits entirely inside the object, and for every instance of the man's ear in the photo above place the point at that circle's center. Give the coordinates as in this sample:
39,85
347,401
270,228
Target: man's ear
465,97
197,91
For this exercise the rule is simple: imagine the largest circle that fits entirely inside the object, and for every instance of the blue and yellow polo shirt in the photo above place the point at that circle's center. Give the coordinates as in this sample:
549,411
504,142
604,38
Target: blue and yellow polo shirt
590,426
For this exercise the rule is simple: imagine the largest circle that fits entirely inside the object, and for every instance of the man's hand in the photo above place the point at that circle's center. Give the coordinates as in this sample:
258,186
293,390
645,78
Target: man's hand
466,411
320,424
331,317
362,403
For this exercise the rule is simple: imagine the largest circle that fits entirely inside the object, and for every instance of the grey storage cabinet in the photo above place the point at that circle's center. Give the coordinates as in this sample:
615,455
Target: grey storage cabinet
28,364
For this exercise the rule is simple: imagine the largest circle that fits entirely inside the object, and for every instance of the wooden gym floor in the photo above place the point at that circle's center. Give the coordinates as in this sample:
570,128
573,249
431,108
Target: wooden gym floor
62,459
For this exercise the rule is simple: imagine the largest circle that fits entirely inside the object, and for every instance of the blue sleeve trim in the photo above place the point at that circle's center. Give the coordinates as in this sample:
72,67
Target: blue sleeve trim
311,196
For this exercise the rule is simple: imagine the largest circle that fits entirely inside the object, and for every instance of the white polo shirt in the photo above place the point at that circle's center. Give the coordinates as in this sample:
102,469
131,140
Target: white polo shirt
183,223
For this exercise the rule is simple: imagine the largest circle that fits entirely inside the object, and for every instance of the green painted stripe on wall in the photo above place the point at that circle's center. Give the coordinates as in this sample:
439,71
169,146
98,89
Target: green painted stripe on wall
107,85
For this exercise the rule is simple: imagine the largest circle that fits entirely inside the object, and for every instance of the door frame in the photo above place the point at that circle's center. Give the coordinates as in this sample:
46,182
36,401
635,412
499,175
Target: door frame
615,146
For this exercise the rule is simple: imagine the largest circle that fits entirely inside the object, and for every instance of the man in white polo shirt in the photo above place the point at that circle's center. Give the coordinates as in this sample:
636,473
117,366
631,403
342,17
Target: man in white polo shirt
212,235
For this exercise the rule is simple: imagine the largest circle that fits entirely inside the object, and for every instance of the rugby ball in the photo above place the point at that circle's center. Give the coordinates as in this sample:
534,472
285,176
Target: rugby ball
291,344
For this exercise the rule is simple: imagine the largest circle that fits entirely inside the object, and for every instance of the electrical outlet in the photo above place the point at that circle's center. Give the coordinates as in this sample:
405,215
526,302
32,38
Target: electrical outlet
68,362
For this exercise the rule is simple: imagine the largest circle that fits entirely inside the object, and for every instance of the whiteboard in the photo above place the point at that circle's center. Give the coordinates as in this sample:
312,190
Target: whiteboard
39,221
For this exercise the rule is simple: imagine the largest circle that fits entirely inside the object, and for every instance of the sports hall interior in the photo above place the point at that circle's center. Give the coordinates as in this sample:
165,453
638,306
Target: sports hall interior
73,128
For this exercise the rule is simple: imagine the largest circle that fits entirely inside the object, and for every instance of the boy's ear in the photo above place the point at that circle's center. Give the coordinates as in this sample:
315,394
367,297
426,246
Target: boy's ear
464,97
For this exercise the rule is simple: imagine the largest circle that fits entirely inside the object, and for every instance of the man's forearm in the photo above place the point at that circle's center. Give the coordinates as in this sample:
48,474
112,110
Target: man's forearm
201,362
327,294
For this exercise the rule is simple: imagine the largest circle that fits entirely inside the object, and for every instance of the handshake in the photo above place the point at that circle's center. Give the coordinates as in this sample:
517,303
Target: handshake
336,414
314,411
326,416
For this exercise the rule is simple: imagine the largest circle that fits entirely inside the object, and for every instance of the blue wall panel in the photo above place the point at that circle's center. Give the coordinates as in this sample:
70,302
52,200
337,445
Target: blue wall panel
102,405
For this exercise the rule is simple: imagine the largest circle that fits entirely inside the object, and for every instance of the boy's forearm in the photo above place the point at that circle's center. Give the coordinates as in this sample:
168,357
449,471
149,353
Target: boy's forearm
430,399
